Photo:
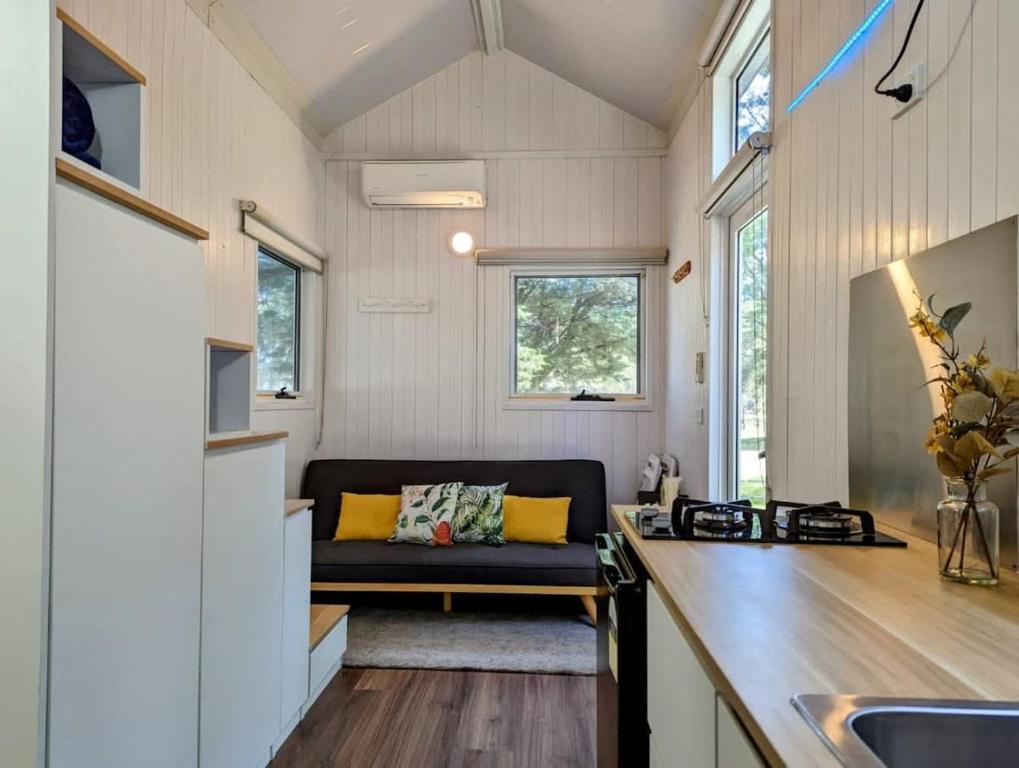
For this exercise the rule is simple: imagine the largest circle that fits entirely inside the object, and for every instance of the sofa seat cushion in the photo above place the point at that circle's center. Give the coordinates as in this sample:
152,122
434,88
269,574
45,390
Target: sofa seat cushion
574,564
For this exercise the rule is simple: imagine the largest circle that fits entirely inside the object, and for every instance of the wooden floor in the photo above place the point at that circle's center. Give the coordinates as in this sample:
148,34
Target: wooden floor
424,718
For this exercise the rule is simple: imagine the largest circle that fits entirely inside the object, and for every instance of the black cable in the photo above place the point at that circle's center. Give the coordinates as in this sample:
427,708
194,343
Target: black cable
903,92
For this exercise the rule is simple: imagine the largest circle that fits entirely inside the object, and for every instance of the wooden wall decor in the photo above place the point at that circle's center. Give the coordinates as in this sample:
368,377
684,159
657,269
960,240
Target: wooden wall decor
682,272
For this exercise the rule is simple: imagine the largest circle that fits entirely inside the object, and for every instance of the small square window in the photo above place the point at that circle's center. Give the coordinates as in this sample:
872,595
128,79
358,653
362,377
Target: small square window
580,331
279,323
752,94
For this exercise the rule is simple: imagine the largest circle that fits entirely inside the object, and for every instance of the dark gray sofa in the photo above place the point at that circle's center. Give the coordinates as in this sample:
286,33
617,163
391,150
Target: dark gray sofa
365,566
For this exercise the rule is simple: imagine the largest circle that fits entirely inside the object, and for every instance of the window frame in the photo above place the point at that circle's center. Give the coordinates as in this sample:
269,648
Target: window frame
513,400
268,396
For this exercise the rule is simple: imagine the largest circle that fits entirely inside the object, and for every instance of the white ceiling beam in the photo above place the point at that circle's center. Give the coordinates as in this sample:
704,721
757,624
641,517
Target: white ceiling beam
239,36
488,24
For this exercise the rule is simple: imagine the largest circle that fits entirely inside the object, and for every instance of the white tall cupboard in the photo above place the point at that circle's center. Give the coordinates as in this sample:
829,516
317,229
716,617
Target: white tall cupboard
242,605
127,489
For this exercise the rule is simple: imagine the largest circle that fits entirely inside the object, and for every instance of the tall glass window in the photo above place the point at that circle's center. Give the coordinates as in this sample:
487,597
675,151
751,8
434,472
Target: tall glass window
749,362
279,323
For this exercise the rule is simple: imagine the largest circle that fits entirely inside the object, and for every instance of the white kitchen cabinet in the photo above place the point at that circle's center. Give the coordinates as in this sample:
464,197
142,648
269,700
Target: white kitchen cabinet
296,604
734,747
242,606
681,698
127,489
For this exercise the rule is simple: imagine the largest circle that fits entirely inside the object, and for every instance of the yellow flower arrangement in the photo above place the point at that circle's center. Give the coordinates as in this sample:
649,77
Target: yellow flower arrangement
977,434
973,440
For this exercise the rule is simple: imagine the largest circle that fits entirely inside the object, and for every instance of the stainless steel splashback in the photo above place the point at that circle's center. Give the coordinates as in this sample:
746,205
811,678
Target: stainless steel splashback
890,410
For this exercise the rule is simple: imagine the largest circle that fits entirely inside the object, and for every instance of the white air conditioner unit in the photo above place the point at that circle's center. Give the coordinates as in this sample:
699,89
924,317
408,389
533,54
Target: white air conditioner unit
441,184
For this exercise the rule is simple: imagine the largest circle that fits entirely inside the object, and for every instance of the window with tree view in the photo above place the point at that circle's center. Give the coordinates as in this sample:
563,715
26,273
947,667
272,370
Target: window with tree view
753,94
279,318
751,358
576,332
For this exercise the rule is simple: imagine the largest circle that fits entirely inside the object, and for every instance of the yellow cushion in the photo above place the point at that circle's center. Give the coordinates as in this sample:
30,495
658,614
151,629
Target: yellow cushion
535,520
367,517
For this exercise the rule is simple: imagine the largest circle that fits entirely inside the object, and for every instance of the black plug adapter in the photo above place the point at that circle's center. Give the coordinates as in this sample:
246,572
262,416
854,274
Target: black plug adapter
902,93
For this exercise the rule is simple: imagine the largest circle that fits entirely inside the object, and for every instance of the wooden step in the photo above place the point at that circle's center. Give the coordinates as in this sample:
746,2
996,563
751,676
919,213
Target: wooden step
323,619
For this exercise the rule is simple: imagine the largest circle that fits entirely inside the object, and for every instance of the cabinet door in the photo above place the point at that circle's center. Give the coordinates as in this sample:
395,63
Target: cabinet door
242,606
296,602
734,747
127,489
681,699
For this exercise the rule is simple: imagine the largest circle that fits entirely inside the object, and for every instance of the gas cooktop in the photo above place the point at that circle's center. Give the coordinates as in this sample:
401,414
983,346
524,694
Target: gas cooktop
780,522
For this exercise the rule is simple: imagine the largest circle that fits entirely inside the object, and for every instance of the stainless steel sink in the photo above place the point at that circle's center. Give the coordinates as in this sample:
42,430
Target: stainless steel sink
903,733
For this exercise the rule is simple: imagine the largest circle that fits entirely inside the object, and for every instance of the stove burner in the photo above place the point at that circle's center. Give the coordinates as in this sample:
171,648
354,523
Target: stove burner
719,520
827,522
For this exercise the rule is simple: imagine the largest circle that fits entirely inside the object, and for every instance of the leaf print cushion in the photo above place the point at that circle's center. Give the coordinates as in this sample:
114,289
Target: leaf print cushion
426,515
479,514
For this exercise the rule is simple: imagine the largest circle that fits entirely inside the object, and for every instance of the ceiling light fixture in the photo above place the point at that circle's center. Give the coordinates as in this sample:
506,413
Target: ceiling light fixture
461,243
358,50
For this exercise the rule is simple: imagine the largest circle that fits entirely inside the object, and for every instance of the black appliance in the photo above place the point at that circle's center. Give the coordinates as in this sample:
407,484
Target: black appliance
622,655
780,522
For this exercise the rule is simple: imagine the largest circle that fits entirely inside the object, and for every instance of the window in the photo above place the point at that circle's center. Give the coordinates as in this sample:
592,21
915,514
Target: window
279,323
749,353
741,85
752,94
578,330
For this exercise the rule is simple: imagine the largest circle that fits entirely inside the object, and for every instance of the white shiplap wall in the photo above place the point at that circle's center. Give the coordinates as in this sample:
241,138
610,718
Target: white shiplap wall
213,137
570,170
852,190
687,176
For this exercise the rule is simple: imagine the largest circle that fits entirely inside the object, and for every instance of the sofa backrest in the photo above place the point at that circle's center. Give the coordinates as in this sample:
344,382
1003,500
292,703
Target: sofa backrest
582,480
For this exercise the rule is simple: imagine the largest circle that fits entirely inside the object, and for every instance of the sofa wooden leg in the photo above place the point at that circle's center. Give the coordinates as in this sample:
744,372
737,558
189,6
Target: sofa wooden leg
591,607
447,601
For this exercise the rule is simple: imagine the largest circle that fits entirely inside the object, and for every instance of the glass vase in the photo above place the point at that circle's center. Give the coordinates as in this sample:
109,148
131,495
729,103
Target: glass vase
968,534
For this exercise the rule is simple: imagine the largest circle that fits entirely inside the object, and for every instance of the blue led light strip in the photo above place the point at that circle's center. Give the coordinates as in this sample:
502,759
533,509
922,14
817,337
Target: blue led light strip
853,39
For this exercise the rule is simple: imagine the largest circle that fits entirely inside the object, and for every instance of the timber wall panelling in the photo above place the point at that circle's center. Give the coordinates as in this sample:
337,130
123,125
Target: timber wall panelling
852,189
564,170
214,136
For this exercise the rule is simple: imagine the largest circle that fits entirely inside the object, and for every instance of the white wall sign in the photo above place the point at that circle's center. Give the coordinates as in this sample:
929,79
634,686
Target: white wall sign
374,304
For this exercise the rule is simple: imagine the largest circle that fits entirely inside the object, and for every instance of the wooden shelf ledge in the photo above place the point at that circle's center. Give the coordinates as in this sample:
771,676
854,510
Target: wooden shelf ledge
115,194
323,619
99,45
249,438
293,506
238,346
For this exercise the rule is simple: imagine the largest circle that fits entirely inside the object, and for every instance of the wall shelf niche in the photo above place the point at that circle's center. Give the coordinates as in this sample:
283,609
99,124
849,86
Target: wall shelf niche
228,387
114,90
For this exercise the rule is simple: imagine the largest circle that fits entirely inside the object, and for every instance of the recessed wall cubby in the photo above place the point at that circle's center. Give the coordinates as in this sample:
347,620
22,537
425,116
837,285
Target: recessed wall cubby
114,91
229,386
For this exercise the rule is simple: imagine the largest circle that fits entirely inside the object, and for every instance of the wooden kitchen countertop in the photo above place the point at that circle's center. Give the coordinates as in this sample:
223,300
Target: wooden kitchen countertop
769,622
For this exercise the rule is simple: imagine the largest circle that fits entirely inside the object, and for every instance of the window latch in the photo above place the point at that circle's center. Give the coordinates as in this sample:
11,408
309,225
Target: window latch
284,395
591,398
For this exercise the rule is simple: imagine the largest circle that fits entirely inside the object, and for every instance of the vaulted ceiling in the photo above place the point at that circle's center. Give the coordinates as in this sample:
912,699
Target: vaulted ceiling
351,55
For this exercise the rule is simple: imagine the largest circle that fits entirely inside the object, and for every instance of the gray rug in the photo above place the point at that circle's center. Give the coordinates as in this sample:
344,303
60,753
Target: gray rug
410,639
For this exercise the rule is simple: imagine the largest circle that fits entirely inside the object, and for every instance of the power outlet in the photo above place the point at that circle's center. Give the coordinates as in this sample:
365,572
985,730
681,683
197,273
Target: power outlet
916,77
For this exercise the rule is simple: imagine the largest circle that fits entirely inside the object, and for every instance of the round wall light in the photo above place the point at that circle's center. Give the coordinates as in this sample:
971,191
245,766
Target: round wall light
461,243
